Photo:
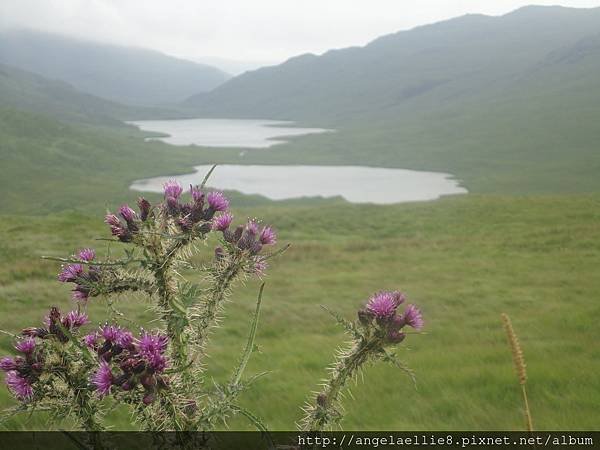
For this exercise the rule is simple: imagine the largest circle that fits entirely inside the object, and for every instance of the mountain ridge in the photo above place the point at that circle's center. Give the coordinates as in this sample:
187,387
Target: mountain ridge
467,52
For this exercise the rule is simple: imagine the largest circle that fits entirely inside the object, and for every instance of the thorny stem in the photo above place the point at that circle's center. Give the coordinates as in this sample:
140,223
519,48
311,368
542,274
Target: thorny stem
325,411
215,300
167,296
84,408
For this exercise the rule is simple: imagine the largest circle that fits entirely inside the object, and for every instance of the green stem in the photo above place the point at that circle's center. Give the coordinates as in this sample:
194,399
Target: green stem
326,409
214,303
167,294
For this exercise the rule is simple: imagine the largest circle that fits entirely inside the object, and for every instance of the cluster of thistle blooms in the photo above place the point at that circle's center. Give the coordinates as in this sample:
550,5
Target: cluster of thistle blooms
382,311
192,216
82,278
140,361
25,369
248,238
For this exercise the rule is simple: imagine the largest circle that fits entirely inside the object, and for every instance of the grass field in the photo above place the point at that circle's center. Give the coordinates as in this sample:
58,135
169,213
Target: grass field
464,260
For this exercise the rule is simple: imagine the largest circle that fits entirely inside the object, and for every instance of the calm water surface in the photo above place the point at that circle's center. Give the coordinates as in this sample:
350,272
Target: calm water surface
356,184
224,132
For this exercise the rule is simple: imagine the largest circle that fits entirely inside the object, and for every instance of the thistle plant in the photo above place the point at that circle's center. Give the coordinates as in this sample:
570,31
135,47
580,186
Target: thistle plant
71,365
161,372
378,328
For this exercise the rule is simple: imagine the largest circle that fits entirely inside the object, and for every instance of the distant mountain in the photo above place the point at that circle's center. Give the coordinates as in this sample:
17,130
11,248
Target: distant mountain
27,91
232,66
507,104
473,58
122,74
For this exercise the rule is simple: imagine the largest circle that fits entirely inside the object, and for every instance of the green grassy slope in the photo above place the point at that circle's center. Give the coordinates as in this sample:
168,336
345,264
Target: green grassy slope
464,260
123,74
30,92
47,165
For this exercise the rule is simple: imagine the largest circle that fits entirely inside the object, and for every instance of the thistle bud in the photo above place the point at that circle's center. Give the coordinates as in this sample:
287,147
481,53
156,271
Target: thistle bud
172,206
185,224
322,400
395,337
149,398
144,206
365,316
35,332
237,234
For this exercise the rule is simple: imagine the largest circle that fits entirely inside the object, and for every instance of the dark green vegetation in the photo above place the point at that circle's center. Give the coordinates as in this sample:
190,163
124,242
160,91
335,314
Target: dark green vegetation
122,74
464,260
508,104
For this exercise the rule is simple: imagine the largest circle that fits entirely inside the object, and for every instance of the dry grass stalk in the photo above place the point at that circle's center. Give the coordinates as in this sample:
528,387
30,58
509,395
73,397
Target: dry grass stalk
520,366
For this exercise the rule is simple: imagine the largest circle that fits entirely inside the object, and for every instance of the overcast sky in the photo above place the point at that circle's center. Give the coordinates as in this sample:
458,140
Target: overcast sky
266,31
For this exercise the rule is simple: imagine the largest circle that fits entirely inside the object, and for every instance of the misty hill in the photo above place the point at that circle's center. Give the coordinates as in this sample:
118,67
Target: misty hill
122,74
470,59
27,91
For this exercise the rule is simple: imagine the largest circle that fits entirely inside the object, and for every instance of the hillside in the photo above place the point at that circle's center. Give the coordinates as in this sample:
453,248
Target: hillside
122,74
47,165
26,91
472,58
507,104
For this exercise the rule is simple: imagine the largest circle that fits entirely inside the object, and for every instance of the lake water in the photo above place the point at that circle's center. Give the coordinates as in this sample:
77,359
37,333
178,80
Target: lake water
224,132
356,184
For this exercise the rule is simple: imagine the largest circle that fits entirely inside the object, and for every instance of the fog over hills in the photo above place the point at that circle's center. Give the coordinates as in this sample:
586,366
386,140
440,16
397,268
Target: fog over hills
472,58
123,74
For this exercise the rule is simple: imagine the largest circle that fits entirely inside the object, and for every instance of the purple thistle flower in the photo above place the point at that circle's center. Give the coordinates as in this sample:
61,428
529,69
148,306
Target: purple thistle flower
412,317
18,385
120,232
91,340
252,227
197,194
260,267
124,339
110,332
87,254
26,345
112,220
268,236
222,222
395,336
103,379
70,273
151,343
382,305
399,297
217,201
80,293
151,347
75,319
173,189
7,364
127,213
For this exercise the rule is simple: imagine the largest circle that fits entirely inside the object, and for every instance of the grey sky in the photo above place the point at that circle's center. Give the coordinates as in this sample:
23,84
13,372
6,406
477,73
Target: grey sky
245,30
